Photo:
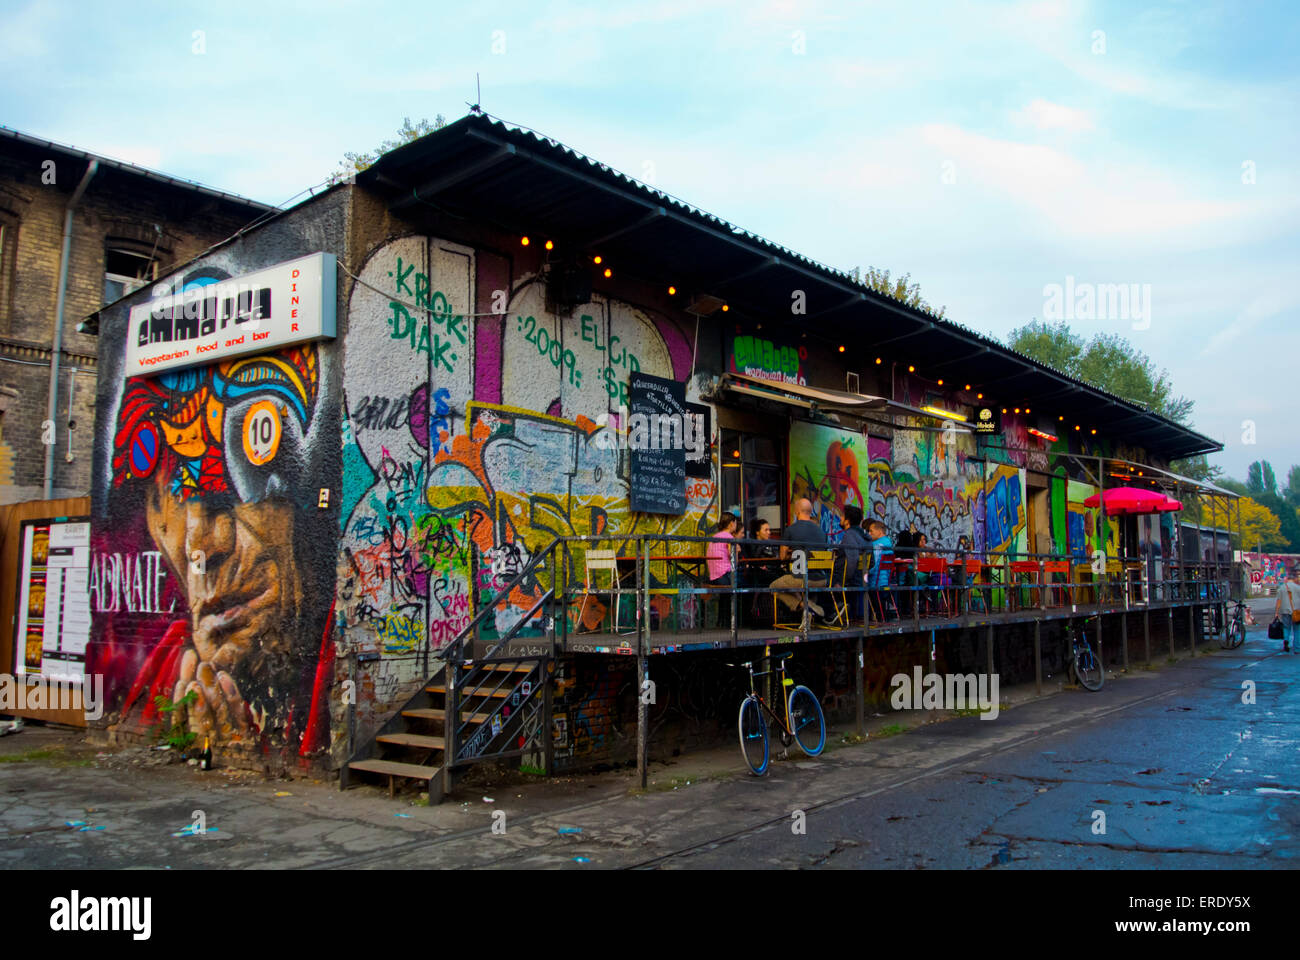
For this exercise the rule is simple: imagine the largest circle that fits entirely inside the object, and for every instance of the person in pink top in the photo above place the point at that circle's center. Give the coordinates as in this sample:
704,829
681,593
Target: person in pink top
719,552
719,556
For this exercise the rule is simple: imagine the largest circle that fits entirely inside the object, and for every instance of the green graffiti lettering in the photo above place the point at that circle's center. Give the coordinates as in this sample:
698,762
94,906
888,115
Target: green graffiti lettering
401,323
401,276
454,326
440,348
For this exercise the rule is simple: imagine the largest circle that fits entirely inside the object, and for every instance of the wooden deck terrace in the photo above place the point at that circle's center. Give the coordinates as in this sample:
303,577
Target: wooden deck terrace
660,640
684,641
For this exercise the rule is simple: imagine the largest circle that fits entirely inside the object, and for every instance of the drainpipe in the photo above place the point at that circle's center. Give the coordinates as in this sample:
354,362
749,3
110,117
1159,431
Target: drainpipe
57,348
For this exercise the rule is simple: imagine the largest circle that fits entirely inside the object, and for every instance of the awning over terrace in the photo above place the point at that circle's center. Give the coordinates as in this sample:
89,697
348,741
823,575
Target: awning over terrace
806,396
822,400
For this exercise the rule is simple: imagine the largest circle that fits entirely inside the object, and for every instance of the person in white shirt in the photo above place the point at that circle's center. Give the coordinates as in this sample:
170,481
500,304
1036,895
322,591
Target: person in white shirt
1288,600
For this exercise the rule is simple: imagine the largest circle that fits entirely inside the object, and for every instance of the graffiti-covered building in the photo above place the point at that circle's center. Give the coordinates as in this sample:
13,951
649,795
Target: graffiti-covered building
336,442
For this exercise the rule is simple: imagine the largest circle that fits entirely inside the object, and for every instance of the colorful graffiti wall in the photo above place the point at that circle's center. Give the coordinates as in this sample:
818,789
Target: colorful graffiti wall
926,484
212,571
471,437
1269,570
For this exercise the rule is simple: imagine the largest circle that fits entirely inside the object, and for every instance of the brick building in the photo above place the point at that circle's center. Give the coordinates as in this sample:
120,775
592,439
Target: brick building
129,226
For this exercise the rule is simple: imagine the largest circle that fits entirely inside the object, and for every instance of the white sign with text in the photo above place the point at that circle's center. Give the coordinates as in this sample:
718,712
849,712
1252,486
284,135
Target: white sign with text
277,307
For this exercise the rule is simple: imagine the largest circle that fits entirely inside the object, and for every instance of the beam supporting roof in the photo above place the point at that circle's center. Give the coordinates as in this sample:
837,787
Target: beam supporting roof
437,185
654,216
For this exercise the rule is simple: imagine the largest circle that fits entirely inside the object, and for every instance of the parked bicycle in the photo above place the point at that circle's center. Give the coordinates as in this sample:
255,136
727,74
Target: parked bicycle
1084,662
803,722
1235,635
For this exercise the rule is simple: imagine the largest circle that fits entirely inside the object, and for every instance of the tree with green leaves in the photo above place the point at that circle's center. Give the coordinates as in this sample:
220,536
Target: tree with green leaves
1261,479
1112,363
354,163
1292,490
1108,361
900,289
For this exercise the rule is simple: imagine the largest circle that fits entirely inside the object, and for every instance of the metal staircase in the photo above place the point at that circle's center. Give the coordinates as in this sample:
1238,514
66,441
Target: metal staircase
483,703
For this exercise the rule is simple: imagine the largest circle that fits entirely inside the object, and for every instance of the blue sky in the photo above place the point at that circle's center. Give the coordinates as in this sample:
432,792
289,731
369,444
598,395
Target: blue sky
988,150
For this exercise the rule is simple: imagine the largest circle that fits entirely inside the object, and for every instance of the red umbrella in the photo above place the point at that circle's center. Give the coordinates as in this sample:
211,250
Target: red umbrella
1129,500
1170,505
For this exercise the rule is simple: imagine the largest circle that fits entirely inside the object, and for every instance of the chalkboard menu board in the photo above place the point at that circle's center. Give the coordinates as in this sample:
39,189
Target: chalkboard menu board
657,457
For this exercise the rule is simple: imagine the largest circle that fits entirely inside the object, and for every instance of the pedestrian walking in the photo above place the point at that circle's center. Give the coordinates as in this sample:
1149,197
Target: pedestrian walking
1288,597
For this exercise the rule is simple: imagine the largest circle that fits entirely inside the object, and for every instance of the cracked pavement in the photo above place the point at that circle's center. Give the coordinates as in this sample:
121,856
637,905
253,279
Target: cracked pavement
1163,769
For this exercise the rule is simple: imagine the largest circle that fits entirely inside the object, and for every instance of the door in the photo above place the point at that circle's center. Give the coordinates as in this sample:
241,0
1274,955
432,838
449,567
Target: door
753,477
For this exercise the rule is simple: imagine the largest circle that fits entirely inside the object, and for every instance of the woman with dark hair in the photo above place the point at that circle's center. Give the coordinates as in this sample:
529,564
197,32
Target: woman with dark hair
762,565
762,561
718,556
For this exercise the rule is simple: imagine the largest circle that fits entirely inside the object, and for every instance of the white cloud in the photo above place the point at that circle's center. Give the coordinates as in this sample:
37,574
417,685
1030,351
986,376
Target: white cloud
1117,200
1044,115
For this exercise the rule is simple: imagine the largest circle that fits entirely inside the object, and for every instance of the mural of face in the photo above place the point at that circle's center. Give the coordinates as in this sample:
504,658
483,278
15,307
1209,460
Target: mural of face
243,608
215,461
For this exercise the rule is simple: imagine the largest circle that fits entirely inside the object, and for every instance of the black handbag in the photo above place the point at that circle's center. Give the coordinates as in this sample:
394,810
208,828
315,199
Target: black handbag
1275,630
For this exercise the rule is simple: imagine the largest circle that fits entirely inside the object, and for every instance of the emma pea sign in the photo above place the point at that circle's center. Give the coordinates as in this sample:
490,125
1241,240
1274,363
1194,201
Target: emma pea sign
277,307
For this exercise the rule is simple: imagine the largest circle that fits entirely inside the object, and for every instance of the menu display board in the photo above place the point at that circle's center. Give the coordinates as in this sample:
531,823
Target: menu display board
657,455
53,622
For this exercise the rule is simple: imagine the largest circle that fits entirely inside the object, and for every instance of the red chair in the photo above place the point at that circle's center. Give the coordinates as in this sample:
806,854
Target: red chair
935,568
1057,589
1024,575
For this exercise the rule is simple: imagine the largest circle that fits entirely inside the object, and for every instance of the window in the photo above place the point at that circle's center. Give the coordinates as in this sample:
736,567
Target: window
8,256
126,269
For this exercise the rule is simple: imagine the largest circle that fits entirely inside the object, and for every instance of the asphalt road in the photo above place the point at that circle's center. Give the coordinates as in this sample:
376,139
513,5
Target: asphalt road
1168,769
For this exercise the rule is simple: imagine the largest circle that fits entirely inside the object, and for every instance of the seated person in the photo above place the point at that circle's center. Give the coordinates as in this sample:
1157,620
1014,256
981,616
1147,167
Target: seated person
882,553
923,580
854,542
761,564
718,557
806,532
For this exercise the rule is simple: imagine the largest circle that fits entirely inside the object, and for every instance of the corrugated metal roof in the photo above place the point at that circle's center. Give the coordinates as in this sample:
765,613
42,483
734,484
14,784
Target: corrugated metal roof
482,168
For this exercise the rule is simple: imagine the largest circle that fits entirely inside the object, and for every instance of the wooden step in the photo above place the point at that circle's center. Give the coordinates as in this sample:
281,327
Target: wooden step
392,770
438,713
474,692
412,740
512,667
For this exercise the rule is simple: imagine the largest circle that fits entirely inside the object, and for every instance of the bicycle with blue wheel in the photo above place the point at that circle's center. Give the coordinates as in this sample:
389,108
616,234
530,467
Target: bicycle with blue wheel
803,722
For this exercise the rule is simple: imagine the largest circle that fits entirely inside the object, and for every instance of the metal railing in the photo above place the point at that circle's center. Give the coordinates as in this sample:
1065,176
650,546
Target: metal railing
663,583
